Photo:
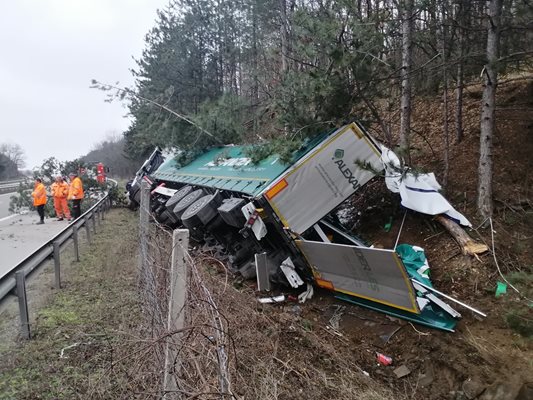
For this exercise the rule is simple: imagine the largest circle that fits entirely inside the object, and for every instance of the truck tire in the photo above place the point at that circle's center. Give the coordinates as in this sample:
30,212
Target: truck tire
180,194
201,212
185,202
167,218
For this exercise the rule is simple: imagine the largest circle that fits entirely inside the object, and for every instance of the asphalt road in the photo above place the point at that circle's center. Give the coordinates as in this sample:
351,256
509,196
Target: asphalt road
4,204
19,236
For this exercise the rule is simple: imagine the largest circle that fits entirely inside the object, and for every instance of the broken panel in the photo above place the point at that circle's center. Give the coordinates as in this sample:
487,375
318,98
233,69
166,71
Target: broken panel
372,274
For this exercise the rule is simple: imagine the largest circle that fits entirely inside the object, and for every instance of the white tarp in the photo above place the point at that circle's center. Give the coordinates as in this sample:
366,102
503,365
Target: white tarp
418,192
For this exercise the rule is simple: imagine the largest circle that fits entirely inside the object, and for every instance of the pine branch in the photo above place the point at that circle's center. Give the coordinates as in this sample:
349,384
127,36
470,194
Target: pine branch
130,93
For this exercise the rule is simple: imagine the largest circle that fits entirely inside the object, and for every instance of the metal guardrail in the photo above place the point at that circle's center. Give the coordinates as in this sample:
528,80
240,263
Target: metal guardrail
15,280
11,186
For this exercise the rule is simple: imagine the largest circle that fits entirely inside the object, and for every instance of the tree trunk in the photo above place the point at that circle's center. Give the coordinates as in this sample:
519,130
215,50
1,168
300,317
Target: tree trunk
255,76
468,245
405,116
484,200
460,74
445,101
284,36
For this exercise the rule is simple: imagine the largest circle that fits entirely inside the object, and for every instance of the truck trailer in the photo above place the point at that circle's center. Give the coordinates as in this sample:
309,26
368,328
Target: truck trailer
275,221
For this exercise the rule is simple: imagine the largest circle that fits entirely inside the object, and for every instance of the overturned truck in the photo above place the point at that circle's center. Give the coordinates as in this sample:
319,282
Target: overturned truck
274,221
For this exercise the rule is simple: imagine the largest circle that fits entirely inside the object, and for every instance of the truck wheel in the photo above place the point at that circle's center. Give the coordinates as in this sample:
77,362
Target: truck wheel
180,194
184,203
201,212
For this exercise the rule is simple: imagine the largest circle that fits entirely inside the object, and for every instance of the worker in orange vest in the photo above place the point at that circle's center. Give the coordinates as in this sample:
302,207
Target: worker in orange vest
75,194
39,199
59,191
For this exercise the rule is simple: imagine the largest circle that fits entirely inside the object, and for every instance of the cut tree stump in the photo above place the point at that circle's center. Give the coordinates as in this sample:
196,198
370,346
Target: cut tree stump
468,245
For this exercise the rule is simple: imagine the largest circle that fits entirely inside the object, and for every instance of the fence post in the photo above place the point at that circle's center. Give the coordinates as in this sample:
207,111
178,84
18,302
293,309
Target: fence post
144,220
75,239
99,216
93,218
104,209
176,306
23,304
87,229
57,265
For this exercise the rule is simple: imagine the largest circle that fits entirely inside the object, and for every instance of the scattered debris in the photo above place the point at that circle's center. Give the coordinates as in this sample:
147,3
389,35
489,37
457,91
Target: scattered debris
401,371
287,267
472,389
272,299
296,310
61,355
387,332
387,227
383,359
307,295
261,269
419,192
336,317
501,289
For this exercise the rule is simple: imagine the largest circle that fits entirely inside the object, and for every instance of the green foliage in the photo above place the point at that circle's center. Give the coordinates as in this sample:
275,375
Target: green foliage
285,149
21,200
118,196
521,321
49,169
255,71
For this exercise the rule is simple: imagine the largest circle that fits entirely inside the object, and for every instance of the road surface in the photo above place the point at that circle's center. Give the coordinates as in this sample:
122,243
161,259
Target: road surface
19,236
4,204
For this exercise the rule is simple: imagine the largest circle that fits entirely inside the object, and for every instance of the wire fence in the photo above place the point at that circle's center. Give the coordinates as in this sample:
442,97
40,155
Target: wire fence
190,347
208,337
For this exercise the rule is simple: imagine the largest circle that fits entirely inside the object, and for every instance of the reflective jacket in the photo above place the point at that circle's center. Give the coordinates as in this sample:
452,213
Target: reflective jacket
75,190
59,189
39,194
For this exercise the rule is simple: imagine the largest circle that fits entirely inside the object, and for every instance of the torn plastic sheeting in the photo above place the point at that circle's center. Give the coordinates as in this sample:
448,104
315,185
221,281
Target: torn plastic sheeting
392,165
308,294
418,192
415,261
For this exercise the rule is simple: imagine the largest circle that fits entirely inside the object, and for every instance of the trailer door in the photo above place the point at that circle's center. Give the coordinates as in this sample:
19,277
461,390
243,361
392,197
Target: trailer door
372,274
324,178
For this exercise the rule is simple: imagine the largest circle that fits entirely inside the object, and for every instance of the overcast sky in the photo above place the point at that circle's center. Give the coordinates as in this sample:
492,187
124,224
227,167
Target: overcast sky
50,51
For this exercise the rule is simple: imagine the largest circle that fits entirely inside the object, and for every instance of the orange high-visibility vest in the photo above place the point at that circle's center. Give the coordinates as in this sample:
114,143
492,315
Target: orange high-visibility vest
60,189
75,190
39,195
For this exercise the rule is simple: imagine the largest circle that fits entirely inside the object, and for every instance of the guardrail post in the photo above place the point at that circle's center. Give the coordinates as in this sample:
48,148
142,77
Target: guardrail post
57,265
104,209
87,229
99,214
23,304
75,239
93,218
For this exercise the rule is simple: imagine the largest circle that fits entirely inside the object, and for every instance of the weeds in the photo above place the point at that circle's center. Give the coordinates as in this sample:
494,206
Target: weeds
520,321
